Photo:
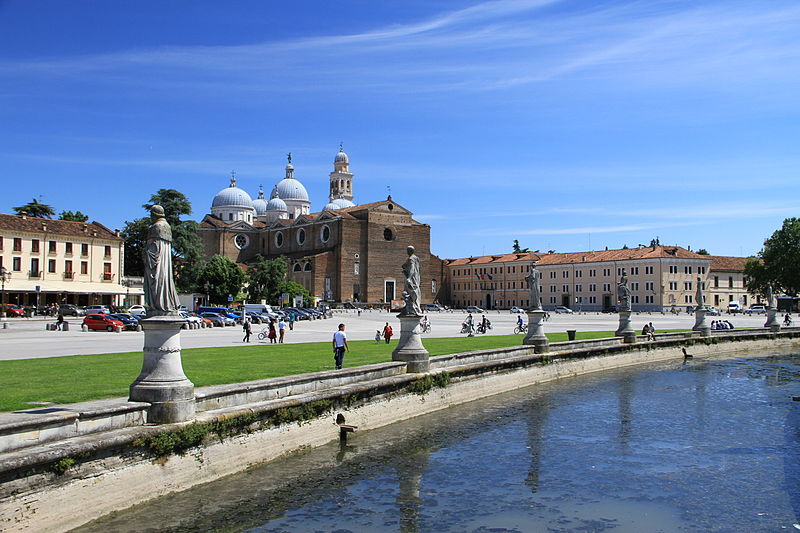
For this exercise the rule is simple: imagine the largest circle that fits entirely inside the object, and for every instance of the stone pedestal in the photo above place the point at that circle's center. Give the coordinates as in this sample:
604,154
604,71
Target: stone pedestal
700,322
625,329
409,348
772,321
162,382
536,336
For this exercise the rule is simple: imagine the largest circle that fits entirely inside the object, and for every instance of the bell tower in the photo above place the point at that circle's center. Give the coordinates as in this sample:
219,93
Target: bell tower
341,177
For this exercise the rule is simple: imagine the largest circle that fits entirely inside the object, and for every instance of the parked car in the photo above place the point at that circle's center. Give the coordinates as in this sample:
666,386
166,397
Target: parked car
218,320
68,310
256,318
128,321
610,309
137,310
101,322
190,318
474,310
97,309
711,310
560,309
756,310
516,310
16,310
734,307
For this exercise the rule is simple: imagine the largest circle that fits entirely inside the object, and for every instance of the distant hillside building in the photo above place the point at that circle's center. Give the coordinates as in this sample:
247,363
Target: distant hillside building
659,278
62,262
343,253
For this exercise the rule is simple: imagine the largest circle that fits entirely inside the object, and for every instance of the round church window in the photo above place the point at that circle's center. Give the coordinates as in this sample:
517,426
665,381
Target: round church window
388,234
278,239
325,234
241,241
301,236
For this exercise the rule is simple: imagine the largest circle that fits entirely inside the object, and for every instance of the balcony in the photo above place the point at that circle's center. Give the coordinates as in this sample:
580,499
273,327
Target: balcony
108,276
69,275
34,274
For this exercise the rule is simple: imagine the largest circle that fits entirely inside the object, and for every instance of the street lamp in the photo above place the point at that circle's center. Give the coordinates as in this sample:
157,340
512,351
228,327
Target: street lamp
5,275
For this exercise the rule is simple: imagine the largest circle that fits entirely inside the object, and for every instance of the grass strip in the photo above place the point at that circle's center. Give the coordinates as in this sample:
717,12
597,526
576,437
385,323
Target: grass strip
81,378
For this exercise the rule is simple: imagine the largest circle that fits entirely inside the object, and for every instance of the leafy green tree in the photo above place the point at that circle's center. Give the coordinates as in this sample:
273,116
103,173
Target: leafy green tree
294,289
223,277
35,209
77,216
702,251
187,248
517,250
779,264
264,277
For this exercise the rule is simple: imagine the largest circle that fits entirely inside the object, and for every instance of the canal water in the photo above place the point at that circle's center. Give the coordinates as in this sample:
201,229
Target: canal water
710,445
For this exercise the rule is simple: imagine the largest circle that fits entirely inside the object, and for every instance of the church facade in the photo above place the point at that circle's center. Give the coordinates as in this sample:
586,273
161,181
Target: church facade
346,252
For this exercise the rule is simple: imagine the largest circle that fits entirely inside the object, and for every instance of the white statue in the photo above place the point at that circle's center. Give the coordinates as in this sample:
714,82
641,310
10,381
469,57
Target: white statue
159,286
411,291
624,293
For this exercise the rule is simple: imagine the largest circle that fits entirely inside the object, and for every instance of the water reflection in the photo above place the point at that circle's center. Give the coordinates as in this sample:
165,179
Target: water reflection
711,446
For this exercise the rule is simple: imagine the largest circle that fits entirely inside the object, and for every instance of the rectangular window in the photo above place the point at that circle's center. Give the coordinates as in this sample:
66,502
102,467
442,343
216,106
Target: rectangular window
730,282
687,270
1,243
84,249
68,248
687,285
687,298
716,282
107,251
606,271
579,288
648,299
701,270
634,285
565,274
51,247
648,270
592,299
635,298
648,285
619,271
51,266
35,267
592,287
634,271
673,285
606,287
592,273
16,264
565,289
578,273
35,246
17,244
552,299
84,266
552,288
553,274
673,269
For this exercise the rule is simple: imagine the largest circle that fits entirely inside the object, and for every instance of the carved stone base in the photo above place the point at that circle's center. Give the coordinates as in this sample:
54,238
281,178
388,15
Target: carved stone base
409,347
536,336
162,382
625,325
772,321
700,322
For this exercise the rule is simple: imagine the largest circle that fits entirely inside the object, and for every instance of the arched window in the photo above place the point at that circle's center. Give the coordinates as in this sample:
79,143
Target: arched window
388,234
297,267
307,267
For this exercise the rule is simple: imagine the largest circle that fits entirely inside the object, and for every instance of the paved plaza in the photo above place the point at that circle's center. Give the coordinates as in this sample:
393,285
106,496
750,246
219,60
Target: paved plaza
27,338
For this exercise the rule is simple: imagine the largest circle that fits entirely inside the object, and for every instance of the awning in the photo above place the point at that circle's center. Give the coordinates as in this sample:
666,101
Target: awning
74,287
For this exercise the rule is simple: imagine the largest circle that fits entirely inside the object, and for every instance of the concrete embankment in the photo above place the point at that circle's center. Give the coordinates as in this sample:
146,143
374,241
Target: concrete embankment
63,466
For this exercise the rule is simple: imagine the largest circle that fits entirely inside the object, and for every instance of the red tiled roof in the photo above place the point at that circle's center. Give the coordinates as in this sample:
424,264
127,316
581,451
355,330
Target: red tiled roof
727,263
66,228
624,254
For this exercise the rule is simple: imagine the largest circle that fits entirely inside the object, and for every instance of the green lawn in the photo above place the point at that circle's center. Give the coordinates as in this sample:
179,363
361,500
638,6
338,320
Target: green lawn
90,377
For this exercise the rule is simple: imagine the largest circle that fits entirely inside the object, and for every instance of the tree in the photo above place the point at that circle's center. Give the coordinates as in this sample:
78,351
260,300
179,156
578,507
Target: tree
187,249
35,209
779,264
517,250
264,277
294,289
702,251
223,277
77,216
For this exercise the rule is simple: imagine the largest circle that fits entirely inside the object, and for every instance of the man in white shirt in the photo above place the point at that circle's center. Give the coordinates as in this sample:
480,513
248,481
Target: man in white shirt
281,330
339,346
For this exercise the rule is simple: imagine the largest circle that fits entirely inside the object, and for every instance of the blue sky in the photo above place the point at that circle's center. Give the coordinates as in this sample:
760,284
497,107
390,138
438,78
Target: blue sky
570,125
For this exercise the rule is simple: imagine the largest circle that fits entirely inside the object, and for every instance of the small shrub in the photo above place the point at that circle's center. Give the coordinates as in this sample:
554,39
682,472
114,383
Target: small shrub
62,465
424,384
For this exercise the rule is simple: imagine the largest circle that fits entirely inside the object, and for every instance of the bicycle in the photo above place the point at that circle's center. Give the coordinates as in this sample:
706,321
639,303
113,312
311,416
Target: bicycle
521,329
264,334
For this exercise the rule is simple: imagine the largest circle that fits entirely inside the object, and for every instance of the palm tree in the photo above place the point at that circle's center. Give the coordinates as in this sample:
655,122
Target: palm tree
35,209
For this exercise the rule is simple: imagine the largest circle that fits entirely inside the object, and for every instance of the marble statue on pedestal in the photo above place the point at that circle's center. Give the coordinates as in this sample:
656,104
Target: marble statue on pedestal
624,294
160,295
533,287
411,290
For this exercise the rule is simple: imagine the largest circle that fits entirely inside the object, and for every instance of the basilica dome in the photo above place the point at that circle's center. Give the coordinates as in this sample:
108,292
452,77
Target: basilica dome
342,203
260,204
291,189
331,206
232,196
341,157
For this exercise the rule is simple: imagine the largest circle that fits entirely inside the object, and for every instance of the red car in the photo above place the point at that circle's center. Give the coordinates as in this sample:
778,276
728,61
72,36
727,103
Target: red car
101,322
15,310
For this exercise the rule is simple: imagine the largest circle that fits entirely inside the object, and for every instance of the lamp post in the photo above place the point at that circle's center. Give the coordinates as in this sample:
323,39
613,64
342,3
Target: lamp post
5,275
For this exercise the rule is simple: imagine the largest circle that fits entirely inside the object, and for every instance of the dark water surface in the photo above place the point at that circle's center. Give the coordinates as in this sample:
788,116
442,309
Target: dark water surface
712,445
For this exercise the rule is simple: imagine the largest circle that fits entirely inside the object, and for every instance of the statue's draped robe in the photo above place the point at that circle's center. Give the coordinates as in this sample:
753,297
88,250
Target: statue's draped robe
533,287
159,286
624,295
411,286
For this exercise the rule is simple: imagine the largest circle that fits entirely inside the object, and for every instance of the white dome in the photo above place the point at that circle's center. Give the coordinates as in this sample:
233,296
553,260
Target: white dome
331,206
341,157
291,189
341,203
232,196
260,204
276,204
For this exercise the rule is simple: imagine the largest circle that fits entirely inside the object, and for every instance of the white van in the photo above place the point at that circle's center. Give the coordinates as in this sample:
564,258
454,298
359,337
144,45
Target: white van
261,309
734,307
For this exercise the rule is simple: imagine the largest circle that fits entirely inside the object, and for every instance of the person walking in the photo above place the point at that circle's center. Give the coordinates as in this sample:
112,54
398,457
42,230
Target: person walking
273,335
281,330
387,333
291,322
339,346
248,329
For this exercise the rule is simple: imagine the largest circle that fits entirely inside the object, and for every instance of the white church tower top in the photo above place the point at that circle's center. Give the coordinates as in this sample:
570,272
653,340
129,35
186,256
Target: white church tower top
341,180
